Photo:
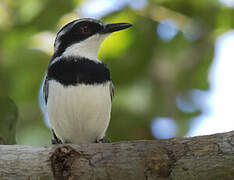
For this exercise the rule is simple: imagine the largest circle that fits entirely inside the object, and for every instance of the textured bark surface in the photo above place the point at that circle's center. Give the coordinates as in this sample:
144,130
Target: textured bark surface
205,157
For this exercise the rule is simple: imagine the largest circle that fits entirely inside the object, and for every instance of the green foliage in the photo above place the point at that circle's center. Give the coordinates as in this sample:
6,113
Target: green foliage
148,73
8,117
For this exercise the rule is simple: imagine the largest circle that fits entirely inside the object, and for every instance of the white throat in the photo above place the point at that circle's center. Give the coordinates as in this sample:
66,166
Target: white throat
87,48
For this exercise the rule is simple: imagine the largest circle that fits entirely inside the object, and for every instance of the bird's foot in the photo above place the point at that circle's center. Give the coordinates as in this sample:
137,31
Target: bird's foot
56,140
103,140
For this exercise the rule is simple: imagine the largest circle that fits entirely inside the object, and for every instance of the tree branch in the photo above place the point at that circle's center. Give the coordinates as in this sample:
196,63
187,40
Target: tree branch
204,157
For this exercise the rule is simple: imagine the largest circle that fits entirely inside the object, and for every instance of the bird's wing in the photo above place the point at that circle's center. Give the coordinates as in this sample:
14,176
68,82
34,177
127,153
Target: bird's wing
112,88
46,89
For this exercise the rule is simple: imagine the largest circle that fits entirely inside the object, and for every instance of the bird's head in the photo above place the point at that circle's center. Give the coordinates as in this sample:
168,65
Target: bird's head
83,37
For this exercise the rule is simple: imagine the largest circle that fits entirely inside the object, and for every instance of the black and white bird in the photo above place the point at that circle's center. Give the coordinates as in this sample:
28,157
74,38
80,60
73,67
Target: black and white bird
78,89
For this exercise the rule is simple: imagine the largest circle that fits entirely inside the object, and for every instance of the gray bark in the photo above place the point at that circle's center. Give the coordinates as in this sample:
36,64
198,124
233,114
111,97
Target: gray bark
205,157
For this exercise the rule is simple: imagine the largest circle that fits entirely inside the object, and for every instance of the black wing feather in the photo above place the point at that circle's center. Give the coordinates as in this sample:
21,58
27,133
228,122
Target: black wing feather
112,88
46,89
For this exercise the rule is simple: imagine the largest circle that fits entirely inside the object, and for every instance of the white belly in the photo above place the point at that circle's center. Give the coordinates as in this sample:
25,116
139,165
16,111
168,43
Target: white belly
79,114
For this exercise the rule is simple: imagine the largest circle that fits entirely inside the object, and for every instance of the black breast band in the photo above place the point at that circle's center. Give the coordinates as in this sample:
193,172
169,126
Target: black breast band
73,71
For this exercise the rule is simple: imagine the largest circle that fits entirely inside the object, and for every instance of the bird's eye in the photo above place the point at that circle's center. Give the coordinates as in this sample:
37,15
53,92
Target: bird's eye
85,30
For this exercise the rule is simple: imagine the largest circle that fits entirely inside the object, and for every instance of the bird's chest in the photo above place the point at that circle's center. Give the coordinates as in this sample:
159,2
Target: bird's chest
79,113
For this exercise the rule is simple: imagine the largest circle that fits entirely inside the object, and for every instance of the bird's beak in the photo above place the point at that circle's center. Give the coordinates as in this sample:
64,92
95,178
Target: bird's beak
109,28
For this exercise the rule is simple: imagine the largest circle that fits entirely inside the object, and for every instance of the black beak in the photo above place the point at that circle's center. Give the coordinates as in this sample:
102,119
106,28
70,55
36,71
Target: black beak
109,28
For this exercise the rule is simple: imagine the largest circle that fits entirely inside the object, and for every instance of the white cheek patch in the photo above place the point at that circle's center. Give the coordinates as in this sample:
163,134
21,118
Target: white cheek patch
87,48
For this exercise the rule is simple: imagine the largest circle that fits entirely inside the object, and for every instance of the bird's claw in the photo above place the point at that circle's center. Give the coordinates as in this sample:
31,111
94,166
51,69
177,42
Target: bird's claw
103,140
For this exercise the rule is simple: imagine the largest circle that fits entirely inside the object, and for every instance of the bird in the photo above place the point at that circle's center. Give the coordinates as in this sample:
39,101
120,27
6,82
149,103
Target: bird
78,88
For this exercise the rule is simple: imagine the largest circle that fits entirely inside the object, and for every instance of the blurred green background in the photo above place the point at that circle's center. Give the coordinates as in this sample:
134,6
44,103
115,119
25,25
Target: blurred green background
165,55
